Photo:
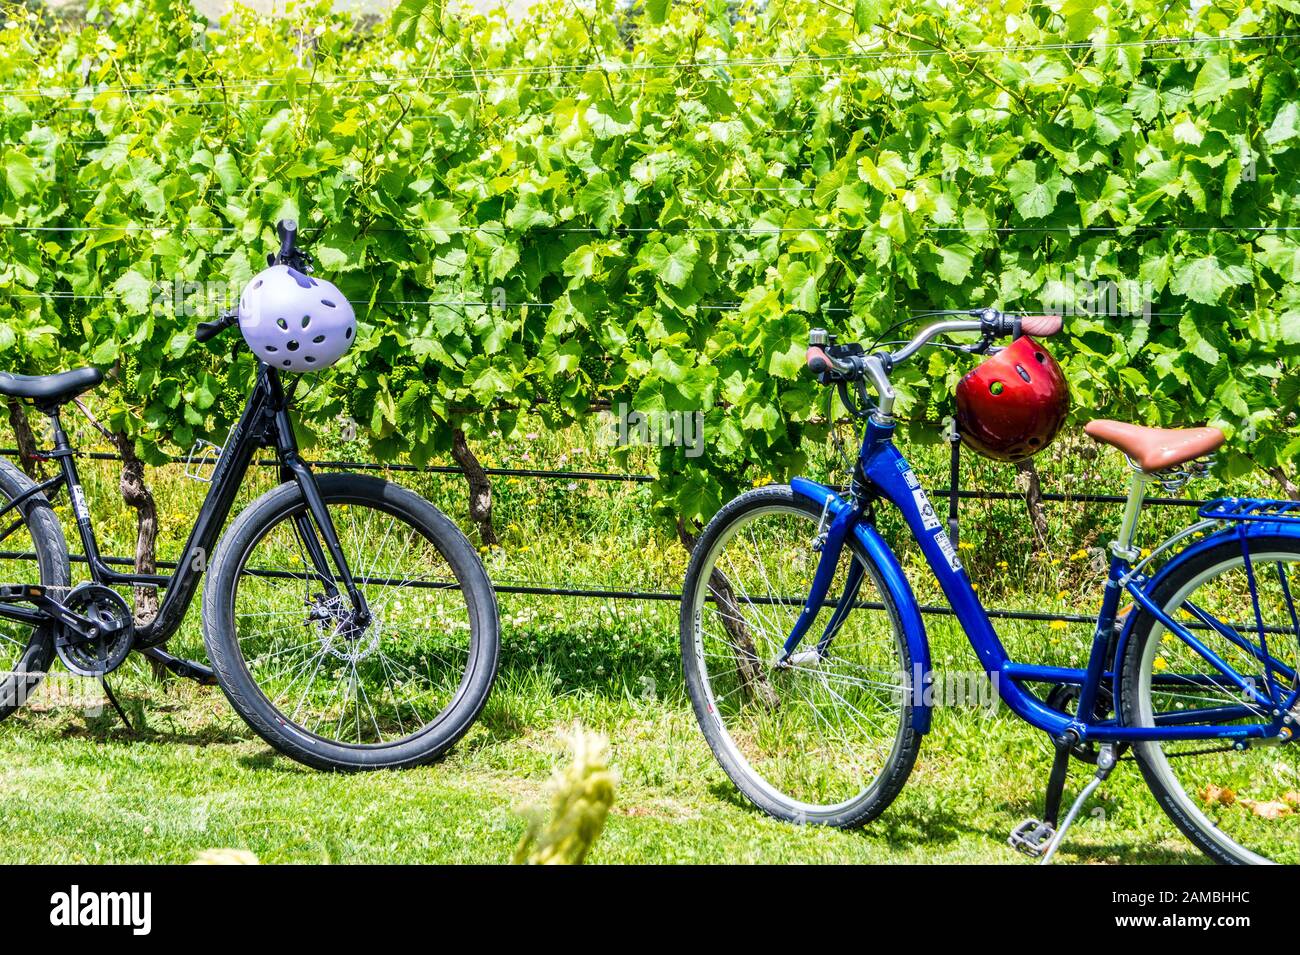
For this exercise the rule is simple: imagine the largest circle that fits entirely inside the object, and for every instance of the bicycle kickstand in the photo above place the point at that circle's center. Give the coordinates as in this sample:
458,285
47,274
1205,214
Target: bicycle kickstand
1107,757
112,698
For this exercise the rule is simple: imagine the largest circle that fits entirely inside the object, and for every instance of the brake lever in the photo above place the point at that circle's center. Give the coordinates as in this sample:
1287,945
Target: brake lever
981,346
206,331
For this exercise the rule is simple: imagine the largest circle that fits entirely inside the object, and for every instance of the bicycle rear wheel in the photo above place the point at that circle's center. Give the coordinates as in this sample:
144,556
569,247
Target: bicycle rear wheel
827,739
34,551
1237,806
396,692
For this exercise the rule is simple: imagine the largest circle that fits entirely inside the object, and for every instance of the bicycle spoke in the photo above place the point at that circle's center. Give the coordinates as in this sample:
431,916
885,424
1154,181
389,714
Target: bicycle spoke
368,685
1237,798
818,731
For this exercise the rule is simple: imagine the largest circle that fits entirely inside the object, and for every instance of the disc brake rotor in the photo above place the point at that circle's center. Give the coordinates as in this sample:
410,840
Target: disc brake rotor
103,650
339,636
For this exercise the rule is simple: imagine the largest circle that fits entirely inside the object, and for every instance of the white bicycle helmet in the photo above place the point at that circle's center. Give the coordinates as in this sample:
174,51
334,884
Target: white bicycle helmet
294,322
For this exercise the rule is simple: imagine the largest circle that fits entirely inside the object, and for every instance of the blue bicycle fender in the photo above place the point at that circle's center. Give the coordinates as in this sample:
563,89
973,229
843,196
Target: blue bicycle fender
1229,532
900,591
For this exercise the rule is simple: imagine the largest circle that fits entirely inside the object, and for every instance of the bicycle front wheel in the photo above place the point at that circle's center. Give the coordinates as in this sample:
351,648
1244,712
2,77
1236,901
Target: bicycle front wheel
828,737
1237,805
397,691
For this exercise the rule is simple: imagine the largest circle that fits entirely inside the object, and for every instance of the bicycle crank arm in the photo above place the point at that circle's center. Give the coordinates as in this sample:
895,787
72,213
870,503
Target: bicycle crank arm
47,608
186,669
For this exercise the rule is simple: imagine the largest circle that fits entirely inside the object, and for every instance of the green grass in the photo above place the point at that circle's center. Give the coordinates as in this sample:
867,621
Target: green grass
195,779
193,776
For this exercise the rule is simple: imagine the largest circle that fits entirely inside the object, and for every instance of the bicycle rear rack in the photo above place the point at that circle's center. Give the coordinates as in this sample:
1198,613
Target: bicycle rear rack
1251,509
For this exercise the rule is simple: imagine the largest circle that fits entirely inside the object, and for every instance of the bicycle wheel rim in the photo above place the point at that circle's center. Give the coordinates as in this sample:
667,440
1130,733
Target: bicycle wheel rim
441,610
1218,800
804,798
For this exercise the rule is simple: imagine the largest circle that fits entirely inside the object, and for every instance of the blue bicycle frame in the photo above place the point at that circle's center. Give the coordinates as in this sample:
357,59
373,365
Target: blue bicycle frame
883,472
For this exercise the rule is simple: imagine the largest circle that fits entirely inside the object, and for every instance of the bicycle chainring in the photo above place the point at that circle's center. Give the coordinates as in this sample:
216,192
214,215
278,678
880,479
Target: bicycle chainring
114,631
1065,697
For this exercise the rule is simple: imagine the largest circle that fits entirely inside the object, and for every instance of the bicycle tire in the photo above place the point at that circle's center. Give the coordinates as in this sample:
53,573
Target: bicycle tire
51,550
1178,804
220,630
886,786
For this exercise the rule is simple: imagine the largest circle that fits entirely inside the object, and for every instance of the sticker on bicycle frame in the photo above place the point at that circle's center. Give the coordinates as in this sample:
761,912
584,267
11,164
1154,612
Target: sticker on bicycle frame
929,519
79,503
949,551
908,475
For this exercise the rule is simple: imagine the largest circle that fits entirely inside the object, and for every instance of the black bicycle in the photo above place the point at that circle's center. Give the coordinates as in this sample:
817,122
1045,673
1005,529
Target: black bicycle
348,620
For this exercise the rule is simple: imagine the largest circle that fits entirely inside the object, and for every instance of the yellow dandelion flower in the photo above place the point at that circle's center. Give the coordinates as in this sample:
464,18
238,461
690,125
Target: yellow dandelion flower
1057,625
1062,594
965,545
1159,664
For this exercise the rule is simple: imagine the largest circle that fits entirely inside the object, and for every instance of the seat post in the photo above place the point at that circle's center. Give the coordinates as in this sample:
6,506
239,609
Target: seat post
1122,546
57,434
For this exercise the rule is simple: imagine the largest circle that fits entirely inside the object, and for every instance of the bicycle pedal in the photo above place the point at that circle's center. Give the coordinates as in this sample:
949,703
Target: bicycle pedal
1032,837
21,591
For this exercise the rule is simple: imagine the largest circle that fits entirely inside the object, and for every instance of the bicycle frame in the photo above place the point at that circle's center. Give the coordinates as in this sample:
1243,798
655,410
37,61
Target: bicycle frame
265,422
883,472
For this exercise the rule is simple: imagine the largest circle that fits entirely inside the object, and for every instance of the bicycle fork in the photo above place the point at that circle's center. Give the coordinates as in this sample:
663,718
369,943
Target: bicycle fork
320,516
830,543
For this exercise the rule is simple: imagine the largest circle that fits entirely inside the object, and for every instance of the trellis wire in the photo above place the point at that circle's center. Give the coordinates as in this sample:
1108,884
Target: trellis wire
606,593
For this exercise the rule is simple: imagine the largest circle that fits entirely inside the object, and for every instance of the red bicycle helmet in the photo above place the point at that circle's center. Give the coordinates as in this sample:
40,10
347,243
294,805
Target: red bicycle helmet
1011,405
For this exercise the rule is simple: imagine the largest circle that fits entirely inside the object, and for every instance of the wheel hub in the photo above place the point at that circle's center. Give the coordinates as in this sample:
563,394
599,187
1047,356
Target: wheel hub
341,634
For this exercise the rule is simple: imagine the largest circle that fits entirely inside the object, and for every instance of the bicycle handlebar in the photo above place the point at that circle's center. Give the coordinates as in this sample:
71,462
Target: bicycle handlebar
819,362
289,254
840,364
989,327
989,321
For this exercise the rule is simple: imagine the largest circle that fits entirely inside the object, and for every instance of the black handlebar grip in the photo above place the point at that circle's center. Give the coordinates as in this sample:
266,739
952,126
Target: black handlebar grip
206,331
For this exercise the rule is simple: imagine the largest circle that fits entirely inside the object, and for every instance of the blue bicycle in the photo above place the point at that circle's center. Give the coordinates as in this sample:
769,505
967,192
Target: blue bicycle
816,713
